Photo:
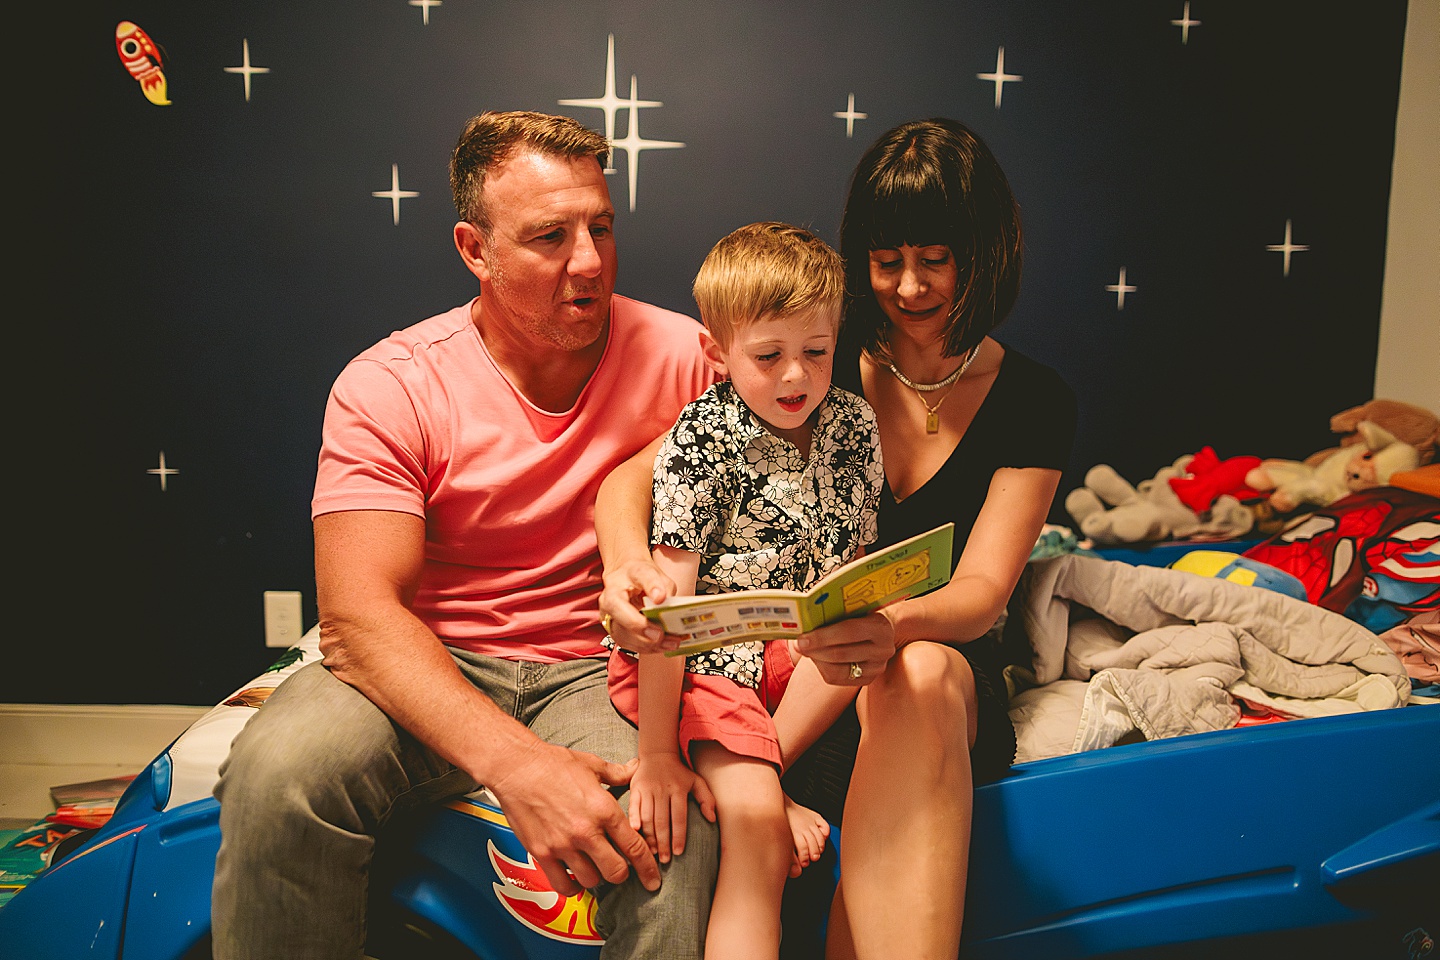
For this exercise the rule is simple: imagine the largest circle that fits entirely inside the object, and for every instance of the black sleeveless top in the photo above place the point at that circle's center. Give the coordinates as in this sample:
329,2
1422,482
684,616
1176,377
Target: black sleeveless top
1026,420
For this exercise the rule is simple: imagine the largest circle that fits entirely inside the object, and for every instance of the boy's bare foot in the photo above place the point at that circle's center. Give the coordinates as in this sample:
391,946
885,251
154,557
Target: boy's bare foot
809,830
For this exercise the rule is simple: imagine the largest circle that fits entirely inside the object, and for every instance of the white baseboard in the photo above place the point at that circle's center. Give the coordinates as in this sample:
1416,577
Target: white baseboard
66,734
45,745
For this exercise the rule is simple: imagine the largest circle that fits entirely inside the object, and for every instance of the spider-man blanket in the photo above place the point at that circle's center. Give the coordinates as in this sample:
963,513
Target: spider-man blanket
1373,556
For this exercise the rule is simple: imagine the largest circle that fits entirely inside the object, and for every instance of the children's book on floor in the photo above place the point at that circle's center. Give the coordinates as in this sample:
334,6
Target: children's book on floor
88,804
25,853
906,569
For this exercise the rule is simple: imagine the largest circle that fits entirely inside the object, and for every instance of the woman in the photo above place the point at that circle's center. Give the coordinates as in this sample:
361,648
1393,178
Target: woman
972,432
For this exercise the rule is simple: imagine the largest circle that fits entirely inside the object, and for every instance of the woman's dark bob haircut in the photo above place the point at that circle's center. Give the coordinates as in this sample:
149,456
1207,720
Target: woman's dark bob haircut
925,183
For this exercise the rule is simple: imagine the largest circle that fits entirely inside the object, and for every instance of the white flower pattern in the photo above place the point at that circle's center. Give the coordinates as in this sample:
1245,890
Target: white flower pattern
757,514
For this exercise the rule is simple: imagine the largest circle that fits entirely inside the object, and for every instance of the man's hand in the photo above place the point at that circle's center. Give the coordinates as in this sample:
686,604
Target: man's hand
837,650
557,804
626,589
659,802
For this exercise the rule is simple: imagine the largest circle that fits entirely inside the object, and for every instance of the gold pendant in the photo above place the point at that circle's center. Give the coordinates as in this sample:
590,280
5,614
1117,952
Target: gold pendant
932,422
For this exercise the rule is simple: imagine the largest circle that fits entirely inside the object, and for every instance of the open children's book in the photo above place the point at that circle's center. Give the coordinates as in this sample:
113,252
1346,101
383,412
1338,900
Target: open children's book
909,568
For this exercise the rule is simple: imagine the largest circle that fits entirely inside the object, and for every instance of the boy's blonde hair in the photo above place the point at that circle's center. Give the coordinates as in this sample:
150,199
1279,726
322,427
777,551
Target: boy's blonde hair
764,270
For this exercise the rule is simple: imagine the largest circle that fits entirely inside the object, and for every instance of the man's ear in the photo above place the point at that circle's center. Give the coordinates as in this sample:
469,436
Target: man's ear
471,244
714,356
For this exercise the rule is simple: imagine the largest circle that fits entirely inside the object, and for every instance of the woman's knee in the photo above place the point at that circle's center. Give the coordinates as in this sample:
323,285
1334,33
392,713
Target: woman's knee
924,680
929,673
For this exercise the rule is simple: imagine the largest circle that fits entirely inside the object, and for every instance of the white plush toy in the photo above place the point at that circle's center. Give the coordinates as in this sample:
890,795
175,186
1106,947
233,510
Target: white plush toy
1293,484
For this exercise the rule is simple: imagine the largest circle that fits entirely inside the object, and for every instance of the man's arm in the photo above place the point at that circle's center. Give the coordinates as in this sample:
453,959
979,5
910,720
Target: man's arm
367,567
622,529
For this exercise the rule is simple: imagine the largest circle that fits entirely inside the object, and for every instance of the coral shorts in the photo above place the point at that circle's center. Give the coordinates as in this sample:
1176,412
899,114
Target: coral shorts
715,708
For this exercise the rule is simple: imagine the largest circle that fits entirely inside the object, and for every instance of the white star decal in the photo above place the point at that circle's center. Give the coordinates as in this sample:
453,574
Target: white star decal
245,70
1000,77
1120,288
425,6
850,116
1185,23
1286,248
394,194
609,102
163,471
632,143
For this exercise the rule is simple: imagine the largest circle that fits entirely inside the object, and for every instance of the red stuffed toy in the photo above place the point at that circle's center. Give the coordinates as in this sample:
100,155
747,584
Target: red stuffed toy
1207,477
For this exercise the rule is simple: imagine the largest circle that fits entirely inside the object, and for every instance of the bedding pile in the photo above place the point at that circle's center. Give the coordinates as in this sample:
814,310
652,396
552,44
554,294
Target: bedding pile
1120,652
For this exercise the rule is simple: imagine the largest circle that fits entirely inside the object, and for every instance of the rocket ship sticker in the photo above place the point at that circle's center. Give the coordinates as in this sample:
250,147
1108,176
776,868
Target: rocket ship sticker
142,58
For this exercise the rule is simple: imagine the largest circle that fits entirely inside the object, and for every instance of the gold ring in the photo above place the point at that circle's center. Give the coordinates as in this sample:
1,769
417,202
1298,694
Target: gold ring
605,622
855,671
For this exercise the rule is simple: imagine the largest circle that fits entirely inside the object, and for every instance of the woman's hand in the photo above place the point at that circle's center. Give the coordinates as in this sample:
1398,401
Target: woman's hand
659,807
851,652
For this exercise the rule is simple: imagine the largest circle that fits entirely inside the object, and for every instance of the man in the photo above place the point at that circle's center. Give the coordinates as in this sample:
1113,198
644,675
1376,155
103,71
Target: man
457,577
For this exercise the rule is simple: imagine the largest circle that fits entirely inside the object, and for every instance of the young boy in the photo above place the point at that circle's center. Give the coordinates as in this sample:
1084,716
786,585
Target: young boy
770,479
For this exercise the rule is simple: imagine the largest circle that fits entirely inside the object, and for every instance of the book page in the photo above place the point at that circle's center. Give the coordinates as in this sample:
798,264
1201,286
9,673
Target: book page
714,621
906,569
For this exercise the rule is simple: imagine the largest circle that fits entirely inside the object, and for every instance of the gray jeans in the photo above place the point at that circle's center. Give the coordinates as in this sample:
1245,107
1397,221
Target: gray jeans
319,771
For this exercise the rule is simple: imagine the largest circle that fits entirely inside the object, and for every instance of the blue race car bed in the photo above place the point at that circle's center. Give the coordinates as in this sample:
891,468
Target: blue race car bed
1317,836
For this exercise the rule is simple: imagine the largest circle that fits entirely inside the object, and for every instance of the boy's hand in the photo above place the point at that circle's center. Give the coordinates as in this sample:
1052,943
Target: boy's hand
659,807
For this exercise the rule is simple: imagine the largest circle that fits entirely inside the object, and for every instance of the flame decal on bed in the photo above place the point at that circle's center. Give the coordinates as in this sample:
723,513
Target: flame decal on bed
529,898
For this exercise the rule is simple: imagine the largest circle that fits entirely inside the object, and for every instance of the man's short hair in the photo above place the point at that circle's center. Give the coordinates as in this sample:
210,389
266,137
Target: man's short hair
494,137
765,270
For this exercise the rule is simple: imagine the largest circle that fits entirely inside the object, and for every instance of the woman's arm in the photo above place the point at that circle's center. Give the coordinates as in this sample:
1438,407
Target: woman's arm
990,565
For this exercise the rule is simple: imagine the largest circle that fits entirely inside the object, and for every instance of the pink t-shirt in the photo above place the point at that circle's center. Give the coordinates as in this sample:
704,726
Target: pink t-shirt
425,423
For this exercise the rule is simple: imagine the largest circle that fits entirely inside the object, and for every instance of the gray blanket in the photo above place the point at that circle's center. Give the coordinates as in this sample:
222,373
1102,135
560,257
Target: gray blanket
1160,652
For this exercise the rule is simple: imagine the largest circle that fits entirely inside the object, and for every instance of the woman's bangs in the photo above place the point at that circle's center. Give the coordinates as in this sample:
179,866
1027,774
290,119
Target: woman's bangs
909,214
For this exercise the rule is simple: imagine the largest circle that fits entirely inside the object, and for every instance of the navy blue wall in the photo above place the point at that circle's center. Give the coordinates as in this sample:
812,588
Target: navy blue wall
208,266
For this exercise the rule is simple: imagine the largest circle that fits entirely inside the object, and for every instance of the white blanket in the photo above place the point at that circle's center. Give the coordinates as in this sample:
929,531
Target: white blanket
1171,650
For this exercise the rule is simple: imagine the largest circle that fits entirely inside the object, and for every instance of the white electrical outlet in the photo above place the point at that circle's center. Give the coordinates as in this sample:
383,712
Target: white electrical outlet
282,618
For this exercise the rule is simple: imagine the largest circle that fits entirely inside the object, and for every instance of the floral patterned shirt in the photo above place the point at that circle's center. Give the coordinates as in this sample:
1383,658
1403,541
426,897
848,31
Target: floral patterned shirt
759,516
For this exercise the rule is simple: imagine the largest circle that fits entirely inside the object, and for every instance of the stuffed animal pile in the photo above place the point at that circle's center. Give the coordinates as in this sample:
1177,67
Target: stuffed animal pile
1203,497
1108,510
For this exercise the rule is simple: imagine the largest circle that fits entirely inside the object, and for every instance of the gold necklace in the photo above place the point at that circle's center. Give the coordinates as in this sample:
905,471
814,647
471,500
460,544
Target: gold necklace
932,414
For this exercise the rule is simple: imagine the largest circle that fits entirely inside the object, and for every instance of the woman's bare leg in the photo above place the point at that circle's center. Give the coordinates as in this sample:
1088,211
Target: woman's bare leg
907,813
756,851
